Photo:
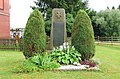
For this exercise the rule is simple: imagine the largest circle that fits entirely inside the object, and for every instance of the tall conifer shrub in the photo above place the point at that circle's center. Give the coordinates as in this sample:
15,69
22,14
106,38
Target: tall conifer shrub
83,35
34,38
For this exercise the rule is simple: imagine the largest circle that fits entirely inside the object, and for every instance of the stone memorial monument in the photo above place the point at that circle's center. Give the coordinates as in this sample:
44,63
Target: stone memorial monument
58,29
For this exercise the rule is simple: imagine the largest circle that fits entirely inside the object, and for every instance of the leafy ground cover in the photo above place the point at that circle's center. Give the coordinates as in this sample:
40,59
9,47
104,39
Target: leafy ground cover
107,55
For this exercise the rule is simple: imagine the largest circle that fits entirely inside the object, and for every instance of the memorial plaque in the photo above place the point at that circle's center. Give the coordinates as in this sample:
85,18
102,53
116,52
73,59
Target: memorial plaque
58,33
58,29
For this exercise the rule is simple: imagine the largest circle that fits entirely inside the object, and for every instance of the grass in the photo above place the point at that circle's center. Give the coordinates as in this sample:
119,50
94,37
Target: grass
108,56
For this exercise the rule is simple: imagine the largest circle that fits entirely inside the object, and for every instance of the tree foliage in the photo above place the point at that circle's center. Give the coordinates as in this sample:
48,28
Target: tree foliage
113,7
107,23
69,23
83,35
34,35
70,6
118,7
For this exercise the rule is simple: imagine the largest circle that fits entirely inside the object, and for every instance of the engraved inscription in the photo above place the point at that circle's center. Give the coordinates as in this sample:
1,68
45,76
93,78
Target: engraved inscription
58,33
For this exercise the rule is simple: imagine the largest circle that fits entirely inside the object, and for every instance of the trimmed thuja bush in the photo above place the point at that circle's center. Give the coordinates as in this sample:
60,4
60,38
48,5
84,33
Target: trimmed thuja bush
83,36
34,35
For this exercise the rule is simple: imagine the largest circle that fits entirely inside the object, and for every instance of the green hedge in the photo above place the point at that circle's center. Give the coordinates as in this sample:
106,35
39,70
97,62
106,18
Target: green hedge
34,38
83,35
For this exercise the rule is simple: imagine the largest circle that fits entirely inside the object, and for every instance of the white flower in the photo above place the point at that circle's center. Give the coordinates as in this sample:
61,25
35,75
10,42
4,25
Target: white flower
73,47
61,48
75,63
65,45
53,48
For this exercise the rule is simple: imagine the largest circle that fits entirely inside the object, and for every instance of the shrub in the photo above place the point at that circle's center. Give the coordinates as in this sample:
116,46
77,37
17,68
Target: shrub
91,63
44,61
34,38
37,63
26,67
65,54
83,35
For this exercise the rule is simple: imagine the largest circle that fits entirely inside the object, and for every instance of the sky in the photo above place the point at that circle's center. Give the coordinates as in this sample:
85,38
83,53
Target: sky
20,10
103,4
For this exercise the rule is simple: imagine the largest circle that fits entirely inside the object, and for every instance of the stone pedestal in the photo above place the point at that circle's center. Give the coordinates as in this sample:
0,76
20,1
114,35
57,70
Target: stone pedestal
58,29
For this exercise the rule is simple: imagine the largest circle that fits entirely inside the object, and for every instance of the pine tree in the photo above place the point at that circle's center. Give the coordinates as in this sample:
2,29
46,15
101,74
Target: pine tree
34,35
83,35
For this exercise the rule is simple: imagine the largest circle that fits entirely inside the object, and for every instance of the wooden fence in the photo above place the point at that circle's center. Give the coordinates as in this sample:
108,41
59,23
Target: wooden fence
108,39
12,44
9,44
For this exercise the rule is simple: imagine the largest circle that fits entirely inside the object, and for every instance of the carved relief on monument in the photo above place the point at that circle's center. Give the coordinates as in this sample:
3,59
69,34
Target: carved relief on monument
58,14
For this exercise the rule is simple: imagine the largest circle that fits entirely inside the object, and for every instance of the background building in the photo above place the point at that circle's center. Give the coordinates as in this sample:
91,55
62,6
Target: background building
4,19
16,32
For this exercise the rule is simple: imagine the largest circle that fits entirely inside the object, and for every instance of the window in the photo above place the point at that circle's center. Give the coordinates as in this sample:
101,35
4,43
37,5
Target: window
1,4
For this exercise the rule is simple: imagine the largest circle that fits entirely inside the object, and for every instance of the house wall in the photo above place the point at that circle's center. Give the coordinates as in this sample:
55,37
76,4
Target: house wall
4,19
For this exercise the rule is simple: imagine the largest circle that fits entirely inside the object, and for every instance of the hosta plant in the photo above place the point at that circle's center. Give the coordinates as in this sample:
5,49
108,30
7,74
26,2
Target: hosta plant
65,54
37,63
44,61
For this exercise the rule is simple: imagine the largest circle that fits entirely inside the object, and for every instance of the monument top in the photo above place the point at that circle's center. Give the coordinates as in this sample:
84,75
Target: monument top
58,15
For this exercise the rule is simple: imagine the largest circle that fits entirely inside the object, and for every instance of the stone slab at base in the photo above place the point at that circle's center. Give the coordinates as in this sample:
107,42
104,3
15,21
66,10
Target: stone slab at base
80,67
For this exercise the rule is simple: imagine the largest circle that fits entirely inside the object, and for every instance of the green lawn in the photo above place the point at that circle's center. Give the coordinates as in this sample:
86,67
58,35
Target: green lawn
108,56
